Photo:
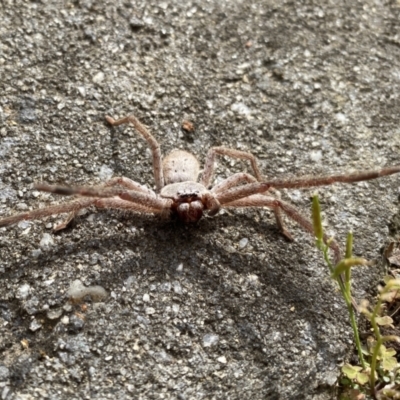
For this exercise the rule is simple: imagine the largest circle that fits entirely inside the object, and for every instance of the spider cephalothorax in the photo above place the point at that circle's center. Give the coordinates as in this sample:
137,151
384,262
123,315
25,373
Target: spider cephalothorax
179,192
189,200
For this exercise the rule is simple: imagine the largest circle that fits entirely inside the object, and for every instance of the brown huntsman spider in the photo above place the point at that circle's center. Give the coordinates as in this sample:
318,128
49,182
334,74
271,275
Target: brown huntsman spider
178,191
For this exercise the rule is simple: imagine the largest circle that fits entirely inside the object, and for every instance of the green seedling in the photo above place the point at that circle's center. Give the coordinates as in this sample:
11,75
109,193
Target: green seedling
379,370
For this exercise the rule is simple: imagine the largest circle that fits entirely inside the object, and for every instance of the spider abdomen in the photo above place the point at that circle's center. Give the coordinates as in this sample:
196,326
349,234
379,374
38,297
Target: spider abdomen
180,166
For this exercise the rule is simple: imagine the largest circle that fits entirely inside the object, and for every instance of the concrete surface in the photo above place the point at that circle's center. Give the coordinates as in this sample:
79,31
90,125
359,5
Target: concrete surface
226,309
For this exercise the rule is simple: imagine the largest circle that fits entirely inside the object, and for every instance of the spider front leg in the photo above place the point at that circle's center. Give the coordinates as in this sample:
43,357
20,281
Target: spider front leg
144,202
74,206
306,182
154,146
117,181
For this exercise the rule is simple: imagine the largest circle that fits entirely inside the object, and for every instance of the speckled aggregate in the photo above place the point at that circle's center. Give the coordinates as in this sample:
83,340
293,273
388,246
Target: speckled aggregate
227,308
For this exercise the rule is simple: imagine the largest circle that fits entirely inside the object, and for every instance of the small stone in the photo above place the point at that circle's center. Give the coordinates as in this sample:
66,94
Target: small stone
46,241
177,287
23,291
28,113
150,311
146,297
4,373
142,320
341,117
253,279
179,268
241,108
6,391
31,305
82,90
78,291
175,308
243,243
94,258
99,77
222,359
67,307
210,339
34,326
21,207
105,173
136,23
24,224
75,324
130,281
54,314
316,155
165,287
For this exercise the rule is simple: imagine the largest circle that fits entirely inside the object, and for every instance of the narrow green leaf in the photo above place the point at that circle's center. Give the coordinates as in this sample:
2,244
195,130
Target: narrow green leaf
391,338
348,263
316,216
349,245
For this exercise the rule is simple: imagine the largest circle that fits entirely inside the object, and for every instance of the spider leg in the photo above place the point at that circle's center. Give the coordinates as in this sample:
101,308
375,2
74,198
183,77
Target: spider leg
328,180
232,181
64,224
117,181
74,207
117,203
143,200
154,146
279,220
46,211
239,192
224,151
235,179
258,200
129,184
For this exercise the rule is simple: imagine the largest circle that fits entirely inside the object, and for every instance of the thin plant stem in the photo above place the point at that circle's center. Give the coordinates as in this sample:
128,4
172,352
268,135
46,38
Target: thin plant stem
377,346
345,289
344,281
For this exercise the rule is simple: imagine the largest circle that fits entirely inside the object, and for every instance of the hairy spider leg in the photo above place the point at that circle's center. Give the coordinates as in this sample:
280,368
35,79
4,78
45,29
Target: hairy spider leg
154,146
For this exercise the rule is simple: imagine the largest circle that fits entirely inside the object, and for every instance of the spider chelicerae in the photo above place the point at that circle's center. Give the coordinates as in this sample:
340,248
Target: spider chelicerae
179,191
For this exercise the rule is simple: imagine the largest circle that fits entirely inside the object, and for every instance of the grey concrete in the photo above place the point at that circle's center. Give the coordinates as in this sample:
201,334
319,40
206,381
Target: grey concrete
194,312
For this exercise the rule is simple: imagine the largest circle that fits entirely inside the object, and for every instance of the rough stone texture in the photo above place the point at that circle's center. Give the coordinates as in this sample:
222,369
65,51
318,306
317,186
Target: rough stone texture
227,308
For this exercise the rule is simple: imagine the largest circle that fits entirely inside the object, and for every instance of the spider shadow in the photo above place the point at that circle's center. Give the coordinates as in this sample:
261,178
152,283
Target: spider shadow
160,246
